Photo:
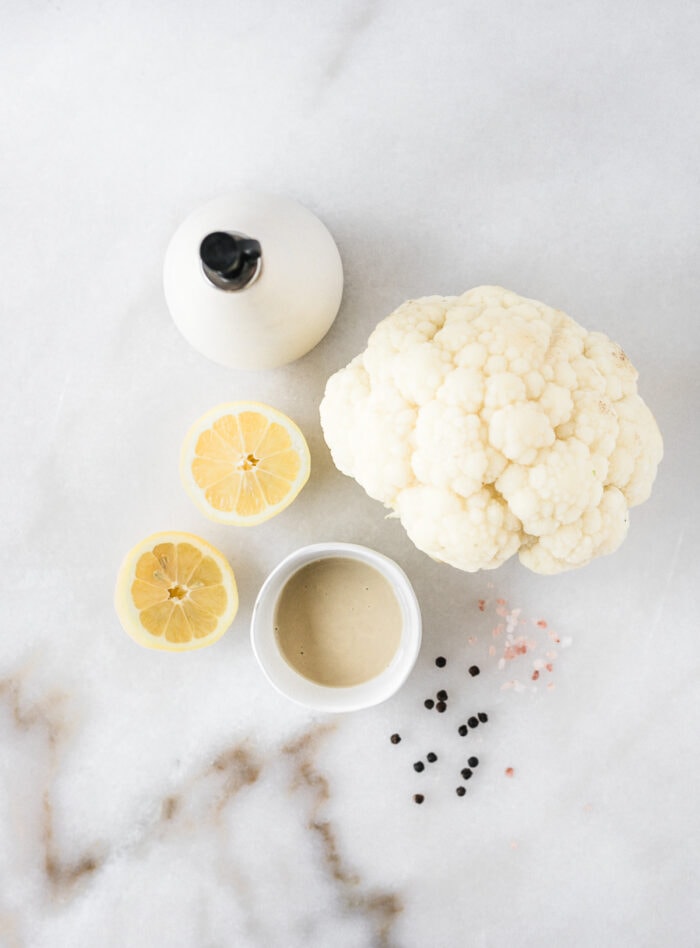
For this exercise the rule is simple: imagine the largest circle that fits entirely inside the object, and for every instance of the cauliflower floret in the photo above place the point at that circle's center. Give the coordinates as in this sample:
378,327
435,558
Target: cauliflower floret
554,490
637,452
449,449
598,530
493,424
477,532
379,424
518,431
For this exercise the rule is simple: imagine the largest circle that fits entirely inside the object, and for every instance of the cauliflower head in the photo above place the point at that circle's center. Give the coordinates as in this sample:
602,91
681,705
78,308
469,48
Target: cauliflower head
493,425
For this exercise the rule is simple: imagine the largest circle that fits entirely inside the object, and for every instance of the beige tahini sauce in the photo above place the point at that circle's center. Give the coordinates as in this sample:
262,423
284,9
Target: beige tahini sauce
338,622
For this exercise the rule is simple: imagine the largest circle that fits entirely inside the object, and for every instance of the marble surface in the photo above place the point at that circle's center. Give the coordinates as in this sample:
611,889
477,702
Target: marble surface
151,800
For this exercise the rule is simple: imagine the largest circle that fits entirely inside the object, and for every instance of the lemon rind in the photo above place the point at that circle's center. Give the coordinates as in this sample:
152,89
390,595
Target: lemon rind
205,421
128,614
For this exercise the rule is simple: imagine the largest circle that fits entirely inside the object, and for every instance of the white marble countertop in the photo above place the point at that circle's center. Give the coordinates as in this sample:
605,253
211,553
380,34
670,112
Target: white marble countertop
177,801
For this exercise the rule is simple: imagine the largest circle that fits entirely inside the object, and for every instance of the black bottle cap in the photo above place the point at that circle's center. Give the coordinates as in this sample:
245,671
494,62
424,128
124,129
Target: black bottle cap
230,261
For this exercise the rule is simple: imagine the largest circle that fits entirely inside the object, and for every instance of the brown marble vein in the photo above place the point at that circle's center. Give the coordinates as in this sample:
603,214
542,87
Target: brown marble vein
204,796
381,907
230,772
48,717
240,768
205,793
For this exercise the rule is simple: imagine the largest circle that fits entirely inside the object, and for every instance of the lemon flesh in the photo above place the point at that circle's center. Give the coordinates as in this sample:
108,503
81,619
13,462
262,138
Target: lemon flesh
244,462
175,592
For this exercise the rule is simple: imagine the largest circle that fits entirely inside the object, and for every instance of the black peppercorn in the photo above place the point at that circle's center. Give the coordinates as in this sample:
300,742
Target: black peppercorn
466,773
429,703
483,717
441,706
473,761
474,671
431,758
462,730
440,661
461,791
473,722
418,766
442,696
395,738
418,798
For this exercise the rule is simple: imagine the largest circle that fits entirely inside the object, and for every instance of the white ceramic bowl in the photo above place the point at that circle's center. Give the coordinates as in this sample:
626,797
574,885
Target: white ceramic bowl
322,697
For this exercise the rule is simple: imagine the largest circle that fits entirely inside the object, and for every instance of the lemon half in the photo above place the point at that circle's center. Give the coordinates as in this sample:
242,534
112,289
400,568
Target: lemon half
244,462
175,592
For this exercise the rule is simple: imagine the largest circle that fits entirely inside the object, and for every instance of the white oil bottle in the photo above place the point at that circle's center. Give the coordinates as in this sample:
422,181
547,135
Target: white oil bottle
253,280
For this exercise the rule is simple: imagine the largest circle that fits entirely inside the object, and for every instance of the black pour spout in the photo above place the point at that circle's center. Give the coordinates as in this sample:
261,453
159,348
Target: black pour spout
230,261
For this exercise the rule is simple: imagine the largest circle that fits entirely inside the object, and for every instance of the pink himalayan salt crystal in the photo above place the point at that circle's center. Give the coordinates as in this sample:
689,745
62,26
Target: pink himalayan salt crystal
515,646
518,647
509,772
